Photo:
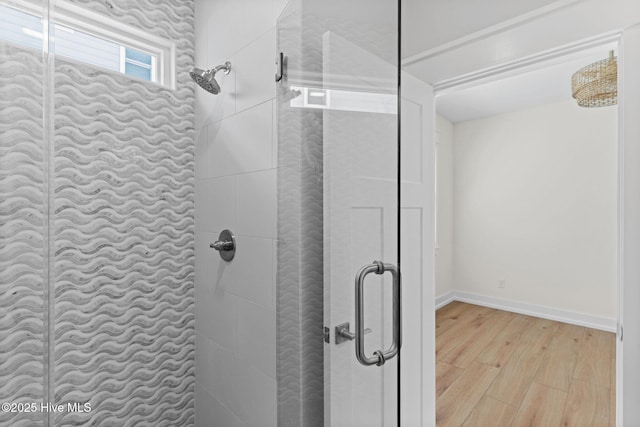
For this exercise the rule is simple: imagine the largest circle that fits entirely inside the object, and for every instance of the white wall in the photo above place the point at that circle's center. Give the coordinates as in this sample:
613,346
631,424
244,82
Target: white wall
535,197
236,189
444,206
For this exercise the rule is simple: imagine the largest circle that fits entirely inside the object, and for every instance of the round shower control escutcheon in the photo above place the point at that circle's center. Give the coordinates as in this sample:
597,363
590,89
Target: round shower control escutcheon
225,245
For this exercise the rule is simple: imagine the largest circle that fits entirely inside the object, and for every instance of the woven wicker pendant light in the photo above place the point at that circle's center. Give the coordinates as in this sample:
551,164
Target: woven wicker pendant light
596,85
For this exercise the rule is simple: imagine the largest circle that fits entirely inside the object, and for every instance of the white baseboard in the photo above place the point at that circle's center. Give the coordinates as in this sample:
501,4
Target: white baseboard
566,316
445,299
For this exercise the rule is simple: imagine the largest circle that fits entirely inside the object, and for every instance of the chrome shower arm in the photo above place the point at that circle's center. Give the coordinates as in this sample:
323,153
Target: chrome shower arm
226,67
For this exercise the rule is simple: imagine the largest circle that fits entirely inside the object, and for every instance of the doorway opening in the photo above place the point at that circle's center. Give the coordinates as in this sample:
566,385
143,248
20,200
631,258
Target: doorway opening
527,260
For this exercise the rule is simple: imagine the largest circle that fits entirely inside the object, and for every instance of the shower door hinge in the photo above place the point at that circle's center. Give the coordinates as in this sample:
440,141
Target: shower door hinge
281,61
620,331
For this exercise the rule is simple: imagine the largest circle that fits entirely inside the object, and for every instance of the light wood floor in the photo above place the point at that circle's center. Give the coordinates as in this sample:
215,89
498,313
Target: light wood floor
495,369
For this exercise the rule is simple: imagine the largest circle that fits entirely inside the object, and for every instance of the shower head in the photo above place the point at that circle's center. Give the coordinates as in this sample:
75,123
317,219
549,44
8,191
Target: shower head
206,79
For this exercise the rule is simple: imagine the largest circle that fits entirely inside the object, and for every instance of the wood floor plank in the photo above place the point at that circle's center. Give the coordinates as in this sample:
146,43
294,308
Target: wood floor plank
457,402
459,316
505,343
542,406
594,360
461,331
612,390
452,309
524,372
518,372
556,369
539,333
445,376
490,412
612,408
614,340
515,376
587,406
466,351
449,314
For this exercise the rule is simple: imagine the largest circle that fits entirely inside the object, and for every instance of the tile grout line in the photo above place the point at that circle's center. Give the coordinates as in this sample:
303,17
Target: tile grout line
49,207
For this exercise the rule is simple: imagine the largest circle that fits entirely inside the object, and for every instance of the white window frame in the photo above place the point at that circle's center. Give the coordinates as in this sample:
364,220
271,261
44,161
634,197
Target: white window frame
163,51
152,67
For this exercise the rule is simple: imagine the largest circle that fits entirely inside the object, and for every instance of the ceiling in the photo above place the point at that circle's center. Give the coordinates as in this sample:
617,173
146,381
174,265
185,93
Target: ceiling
482,36
429,24
548,83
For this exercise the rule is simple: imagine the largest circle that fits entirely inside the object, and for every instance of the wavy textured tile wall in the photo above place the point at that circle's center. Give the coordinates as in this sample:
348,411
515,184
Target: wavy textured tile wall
124,250
22,221
124,233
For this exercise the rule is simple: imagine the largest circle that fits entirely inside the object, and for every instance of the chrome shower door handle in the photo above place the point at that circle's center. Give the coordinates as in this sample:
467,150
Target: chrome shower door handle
379,357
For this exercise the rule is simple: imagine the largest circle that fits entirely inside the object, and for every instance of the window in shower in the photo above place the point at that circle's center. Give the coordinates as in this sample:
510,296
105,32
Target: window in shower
79,36
138,64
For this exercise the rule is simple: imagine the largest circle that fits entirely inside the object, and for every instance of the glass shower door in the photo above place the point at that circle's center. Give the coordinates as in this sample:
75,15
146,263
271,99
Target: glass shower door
338,279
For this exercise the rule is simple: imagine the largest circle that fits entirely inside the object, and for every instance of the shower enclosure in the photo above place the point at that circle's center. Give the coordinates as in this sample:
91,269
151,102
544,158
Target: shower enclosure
97,306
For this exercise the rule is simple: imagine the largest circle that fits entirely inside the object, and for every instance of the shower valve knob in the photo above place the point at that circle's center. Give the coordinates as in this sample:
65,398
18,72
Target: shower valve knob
225,245
219,245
